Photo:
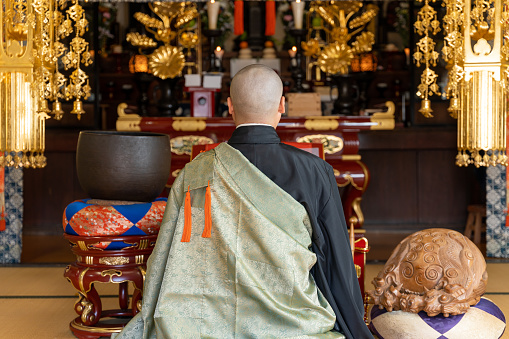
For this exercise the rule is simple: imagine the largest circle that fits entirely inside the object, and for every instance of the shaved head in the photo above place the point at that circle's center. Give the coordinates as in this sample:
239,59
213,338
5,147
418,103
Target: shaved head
256,95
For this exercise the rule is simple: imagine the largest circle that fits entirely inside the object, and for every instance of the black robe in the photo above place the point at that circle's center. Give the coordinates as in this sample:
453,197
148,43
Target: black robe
310,180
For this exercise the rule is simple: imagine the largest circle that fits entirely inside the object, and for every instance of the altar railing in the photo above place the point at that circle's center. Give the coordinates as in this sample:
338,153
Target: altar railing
339,135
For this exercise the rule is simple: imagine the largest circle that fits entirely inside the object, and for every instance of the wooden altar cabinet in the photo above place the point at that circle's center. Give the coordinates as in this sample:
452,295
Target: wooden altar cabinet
337,133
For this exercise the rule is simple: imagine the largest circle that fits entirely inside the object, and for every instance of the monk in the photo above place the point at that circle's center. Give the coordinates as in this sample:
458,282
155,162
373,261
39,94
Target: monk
254,242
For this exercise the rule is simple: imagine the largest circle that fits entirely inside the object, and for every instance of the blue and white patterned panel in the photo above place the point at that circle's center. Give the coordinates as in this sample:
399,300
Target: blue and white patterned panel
497,234
10,239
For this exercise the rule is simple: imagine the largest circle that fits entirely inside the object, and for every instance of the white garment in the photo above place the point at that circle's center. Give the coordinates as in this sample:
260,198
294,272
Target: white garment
253,124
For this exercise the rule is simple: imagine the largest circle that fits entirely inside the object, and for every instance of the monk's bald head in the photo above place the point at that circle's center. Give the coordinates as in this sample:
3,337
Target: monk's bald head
255,94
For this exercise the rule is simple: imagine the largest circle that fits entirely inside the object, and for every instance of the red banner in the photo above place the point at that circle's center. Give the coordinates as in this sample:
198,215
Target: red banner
270,17
238,17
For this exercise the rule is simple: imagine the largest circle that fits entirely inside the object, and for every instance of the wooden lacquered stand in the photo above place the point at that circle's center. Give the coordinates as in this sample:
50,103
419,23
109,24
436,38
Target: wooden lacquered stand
95,265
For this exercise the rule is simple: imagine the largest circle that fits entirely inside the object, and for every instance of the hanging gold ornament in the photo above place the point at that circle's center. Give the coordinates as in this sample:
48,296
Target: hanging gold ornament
476,49
452,52
426,25
30,54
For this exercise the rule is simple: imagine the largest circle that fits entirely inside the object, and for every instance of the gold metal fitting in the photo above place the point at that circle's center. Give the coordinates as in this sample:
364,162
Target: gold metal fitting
426,108
77,108
454,107
43,106
57,110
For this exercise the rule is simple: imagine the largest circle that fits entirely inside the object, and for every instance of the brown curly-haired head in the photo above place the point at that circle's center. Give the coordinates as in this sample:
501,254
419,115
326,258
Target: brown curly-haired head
435,270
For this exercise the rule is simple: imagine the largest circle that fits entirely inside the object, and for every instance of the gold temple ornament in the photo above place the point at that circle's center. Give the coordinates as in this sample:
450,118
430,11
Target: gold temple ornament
174,31
342,22
482,119
476,49
30,52
427,25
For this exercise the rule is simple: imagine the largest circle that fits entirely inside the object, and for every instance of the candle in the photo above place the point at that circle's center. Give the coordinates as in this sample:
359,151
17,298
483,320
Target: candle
212,12
218,52
298,10
292,52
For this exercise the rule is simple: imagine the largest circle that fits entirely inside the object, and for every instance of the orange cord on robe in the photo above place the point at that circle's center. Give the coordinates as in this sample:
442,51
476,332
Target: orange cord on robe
186,234
238,18
208,217
270,17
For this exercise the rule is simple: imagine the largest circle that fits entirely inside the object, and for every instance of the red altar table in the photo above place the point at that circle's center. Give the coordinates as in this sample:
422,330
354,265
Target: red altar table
338,134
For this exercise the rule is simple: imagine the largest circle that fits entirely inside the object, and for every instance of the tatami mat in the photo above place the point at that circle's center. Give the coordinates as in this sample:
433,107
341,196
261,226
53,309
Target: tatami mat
37,302
41,281
39,318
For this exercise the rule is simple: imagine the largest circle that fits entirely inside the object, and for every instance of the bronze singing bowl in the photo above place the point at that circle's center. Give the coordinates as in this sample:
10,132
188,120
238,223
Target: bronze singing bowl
128,166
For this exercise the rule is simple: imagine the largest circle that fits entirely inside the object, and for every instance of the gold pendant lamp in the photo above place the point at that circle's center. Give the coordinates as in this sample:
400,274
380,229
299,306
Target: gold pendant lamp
30,51
476,49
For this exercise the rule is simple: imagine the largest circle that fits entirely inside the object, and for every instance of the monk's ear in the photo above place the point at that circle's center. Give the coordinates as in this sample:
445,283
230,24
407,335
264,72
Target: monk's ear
230,106
281,108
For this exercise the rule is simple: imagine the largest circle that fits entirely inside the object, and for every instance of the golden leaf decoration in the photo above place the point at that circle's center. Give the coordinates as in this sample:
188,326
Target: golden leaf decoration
167,9
147,21
311,48
340,34
165,35
347,6
188,39
335,58
330,11
370,12
363,43
166,62
188,15
325,12
140,40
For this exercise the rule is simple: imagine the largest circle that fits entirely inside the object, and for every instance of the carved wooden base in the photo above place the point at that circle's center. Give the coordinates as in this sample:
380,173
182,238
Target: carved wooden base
102,329
102,266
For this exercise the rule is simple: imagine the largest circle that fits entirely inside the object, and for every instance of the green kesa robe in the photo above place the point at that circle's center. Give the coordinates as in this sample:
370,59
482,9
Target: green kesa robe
250,279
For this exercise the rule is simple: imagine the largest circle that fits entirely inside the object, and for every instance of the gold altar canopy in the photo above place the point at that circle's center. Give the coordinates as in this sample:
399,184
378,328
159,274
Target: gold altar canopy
476,49
30,50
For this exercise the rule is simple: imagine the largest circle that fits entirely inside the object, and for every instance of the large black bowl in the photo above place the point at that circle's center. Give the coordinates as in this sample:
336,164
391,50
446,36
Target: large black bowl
132,166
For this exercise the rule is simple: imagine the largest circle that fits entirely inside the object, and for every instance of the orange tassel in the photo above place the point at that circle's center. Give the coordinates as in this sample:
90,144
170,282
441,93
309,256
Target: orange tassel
186,234
238,18
270,17
208,214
